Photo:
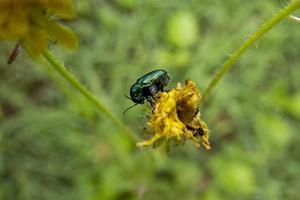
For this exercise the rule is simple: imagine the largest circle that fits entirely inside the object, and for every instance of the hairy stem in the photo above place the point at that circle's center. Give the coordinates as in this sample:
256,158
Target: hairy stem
68,76
278,17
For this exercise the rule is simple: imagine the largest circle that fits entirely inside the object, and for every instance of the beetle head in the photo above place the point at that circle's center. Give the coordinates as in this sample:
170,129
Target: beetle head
136,94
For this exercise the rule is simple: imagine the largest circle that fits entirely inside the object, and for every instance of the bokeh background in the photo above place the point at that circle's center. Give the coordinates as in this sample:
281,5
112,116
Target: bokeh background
54,144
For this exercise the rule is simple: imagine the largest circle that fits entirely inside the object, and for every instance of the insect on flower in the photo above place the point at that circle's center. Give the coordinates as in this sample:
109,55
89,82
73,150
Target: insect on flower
176,118
147,86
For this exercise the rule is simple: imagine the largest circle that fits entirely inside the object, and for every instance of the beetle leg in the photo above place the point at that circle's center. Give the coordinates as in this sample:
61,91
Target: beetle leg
150,101
153,90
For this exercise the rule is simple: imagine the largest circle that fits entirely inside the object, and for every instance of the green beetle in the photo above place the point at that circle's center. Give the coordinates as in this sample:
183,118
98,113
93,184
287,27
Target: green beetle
147,86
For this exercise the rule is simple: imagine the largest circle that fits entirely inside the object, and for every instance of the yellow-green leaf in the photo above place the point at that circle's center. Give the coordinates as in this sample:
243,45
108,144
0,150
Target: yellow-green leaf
62,34
62,8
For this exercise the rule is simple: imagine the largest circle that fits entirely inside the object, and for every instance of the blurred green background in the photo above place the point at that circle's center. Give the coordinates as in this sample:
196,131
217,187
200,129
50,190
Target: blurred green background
55,145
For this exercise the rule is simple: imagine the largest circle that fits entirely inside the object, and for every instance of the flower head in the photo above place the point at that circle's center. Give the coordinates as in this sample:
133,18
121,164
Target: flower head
176,117
32,23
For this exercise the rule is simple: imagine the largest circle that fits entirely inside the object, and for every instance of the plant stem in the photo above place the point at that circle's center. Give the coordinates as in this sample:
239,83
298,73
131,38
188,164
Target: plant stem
60,68
278,17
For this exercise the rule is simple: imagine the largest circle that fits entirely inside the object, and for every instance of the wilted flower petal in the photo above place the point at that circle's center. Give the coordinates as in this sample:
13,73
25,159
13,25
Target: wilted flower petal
176,117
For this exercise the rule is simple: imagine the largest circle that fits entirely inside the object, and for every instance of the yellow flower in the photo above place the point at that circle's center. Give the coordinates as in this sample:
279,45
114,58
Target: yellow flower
32,23
176,117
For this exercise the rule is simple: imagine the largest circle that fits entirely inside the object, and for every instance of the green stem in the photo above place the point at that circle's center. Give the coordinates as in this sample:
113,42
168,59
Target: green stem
278,17
60,68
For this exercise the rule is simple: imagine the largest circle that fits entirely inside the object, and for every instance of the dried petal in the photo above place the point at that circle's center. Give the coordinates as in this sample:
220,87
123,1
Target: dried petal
176,117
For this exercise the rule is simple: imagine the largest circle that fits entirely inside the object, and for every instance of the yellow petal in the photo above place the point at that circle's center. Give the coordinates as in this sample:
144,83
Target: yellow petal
17,23
3,17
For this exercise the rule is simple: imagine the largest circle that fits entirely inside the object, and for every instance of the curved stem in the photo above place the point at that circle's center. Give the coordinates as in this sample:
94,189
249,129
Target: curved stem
278,17
85,92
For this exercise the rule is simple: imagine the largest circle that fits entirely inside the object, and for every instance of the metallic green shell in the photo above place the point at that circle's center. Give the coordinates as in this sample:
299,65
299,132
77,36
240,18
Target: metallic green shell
148,78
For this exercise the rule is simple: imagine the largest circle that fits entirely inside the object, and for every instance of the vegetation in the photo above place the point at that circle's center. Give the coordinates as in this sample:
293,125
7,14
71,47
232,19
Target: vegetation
56,144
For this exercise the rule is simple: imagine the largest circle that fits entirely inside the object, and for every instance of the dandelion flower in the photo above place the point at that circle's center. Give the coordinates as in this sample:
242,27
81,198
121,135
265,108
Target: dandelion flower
176,117
33,22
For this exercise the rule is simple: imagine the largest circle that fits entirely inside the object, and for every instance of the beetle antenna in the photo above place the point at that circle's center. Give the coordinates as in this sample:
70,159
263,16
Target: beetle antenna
128,109
127,96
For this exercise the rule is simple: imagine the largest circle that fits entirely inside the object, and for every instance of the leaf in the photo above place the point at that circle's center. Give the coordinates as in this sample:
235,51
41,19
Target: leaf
62,8
62,34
